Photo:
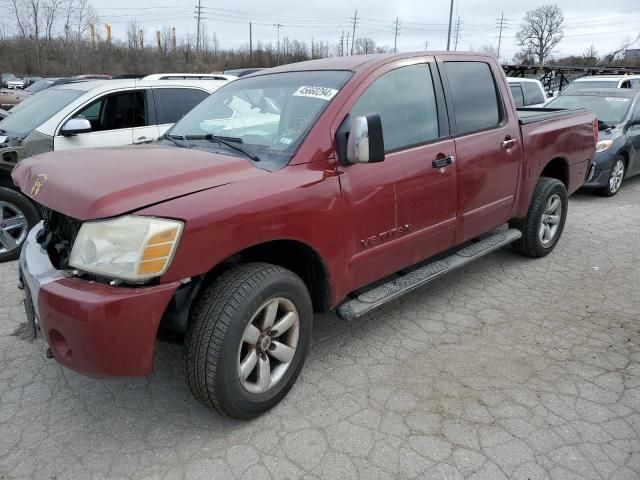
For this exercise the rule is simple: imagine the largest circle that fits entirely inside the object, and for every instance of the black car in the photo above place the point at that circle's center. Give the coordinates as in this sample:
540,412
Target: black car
618,148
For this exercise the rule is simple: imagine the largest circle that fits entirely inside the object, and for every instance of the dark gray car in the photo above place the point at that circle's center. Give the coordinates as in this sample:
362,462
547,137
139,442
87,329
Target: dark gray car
618,148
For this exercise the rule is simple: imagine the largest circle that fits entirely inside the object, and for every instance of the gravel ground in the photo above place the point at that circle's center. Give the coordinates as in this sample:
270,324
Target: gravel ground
510,368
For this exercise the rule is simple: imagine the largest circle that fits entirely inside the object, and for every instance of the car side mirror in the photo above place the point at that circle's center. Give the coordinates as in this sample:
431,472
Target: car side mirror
366,142
74,126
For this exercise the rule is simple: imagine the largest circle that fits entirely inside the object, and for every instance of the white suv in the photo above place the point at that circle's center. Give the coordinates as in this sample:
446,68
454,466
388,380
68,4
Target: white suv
527,92
603,81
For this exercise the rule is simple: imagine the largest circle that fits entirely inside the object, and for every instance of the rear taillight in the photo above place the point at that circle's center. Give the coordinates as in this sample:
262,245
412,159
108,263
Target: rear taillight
595,131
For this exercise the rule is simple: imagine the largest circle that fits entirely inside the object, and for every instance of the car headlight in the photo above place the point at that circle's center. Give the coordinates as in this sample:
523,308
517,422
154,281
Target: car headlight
603,145
131,248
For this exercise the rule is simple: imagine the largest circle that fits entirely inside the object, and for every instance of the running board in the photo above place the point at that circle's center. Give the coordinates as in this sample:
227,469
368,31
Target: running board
378,296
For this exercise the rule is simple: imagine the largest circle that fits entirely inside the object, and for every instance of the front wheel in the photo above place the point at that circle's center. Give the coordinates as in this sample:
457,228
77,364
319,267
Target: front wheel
616,176
544,223
248,338
17,216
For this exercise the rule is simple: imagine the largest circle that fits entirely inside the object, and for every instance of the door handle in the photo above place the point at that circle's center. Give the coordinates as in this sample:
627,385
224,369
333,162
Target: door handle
443,162
508,143
141,140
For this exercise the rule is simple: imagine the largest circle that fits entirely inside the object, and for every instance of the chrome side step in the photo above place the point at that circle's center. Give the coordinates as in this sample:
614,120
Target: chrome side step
354,308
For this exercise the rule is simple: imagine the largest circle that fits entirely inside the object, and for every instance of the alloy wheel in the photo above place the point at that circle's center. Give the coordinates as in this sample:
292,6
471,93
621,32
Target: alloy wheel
550,220
13,227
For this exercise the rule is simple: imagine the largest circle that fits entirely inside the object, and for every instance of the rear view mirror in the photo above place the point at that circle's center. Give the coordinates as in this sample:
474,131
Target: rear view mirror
366,142
75,126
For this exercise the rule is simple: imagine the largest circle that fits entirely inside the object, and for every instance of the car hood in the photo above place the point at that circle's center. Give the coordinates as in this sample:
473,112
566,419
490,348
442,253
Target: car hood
98,183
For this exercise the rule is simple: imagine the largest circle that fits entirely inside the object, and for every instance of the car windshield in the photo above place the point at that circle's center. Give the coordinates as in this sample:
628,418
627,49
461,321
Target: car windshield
590,84
41,107
608,109
267,116
39,86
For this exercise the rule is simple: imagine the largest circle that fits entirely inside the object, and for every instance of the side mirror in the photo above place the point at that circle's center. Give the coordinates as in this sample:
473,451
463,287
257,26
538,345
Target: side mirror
366,142
74,126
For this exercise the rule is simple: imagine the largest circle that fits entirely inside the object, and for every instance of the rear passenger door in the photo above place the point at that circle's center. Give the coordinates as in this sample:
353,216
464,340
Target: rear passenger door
403,210
173,103
487,143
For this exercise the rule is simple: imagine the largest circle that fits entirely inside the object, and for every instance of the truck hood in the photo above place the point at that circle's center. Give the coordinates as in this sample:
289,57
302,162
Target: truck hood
97,183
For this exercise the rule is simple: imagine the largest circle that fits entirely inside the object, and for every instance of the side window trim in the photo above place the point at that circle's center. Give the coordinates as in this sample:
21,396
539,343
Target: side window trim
449,98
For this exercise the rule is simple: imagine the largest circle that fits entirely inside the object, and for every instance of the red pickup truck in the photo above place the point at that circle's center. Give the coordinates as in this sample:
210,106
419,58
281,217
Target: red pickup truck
288,192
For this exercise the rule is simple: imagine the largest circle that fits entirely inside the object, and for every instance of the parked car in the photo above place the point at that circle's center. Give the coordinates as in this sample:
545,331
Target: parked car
15,83
10,98
527,92
602,81
379,162
618,148
28,81
4,78
99,113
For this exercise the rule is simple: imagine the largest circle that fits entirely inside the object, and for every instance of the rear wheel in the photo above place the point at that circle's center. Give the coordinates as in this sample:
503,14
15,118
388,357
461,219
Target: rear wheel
248,338
616,176
544,223
17,216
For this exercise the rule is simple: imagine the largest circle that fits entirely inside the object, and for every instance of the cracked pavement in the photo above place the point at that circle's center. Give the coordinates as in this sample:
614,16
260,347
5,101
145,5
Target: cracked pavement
510,368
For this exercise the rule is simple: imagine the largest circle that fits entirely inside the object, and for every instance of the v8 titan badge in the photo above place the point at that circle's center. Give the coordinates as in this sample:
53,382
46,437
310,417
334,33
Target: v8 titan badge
38,183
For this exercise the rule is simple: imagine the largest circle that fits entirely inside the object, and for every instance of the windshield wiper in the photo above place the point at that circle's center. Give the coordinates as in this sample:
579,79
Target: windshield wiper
173,139
226,141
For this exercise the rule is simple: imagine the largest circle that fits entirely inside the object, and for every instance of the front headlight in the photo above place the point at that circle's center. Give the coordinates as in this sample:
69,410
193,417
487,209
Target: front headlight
128,248
603,145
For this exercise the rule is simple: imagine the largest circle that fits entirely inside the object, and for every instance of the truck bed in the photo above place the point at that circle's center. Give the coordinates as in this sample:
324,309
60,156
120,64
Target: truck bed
528,115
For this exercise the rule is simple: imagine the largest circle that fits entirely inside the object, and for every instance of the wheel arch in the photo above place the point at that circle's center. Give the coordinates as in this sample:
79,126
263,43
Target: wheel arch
294,255
557,168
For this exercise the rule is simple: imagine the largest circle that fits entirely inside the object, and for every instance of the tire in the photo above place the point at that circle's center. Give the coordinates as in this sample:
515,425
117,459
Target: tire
534,242
616,177
17,216
216,340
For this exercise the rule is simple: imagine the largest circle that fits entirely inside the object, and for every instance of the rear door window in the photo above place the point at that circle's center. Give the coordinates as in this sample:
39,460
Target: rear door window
474,95
518,96
532,93
173,103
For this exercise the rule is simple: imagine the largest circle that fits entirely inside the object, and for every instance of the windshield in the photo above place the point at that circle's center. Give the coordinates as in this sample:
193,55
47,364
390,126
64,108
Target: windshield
610,110
41,107
589,84
268,116
39,85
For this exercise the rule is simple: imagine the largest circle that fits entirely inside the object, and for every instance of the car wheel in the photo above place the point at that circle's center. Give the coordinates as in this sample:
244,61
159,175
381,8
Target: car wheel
248,338
17,216
544,223
616,176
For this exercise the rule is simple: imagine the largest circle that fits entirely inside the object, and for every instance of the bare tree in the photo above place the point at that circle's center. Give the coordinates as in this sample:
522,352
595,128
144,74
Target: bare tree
615,54
364,46
540,31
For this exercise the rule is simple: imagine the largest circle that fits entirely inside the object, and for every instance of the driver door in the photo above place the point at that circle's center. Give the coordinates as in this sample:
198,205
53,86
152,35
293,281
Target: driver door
115,118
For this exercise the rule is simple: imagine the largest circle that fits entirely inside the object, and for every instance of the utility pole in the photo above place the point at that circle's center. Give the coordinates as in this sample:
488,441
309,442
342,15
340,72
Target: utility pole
142,39
426,45
501,26
457,36
173,38
395,38
250,46
198,17
342,44
347,50
353,36
278,27
449,32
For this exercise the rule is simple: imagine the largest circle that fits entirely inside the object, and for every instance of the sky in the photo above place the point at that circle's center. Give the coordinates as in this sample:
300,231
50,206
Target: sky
606,25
